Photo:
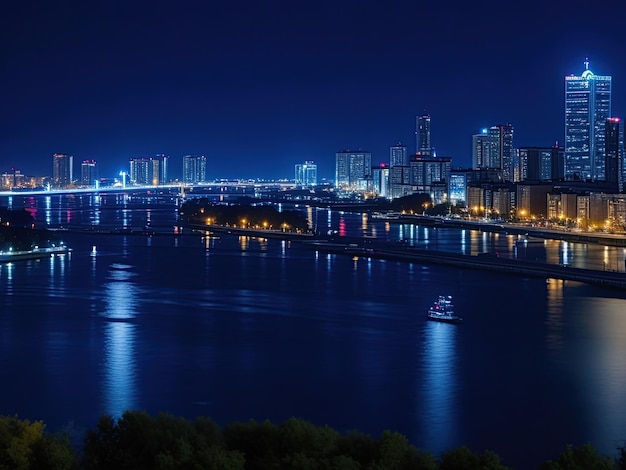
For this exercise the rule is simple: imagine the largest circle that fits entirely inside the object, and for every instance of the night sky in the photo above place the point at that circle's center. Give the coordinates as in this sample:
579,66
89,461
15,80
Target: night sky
260,86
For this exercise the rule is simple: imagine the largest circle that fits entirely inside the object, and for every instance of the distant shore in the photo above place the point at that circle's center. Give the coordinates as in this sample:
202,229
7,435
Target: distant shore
371,248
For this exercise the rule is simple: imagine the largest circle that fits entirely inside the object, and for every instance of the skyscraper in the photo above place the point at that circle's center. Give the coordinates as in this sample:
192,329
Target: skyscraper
163,167
62,170
481,149
352,169
140,171
422,133
502,149
398,155
194,169
613,159
88,172
493,148
587,106
306,174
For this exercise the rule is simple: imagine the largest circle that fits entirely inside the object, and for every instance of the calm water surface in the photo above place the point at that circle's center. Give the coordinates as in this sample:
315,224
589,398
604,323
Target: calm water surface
238,328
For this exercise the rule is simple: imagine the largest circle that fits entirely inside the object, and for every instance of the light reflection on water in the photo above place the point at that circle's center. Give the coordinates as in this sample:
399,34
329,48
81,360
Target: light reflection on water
120,369
438,389
326,326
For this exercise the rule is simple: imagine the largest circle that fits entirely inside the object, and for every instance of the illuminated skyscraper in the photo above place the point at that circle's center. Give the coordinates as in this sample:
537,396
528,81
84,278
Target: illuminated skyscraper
62,170
422,133
587,107
88,173
306,174
398,155
482,144
163,167
194,169
352,169
140,171
502,149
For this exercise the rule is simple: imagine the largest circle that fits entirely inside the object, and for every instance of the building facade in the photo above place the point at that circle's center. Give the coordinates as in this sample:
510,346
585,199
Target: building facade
352,169
422,135
306,174
398,155
62,170
88,173
587,107
613,156
501,154
194,169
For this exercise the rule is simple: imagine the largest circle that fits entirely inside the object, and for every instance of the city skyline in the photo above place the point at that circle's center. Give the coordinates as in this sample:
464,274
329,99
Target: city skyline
261,88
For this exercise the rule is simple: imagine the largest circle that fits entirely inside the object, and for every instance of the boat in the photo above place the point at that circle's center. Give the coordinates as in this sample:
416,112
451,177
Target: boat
443,310
35,253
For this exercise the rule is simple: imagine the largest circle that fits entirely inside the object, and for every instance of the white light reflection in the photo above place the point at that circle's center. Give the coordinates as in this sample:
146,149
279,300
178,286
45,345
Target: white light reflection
47,212
120,382
463,242
439,426
604,363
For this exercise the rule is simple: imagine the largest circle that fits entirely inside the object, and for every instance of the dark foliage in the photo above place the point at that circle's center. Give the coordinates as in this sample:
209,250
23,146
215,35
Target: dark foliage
201,211
138,440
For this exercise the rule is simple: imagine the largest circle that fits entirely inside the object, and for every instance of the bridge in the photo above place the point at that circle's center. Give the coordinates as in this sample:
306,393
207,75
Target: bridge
180,188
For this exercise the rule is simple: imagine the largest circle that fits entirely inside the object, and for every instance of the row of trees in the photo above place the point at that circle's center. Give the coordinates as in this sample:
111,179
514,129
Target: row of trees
203,212
138,440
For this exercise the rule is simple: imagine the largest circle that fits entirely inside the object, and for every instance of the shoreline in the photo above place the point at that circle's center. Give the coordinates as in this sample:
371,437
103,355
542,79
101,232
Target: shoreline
357,247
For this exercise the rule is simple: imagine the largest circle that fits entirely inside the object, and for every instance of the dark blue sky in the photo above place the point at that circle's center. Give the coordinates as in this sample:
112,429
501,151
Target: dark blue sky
259,86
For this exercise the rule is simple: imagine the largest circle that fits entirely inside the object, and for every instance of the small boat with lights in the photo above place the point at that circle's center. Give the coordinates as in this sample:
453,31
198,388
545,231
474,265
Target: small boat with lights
443,310
36,253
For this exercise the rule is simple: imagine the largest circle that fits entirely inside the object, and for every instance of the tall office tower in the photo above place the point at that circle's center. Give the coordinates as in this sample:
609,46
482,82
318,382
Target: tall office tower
88,173
501,154
398,155
352,169
587,107
62,170
306,174
482,146
613,158
422,133
194,169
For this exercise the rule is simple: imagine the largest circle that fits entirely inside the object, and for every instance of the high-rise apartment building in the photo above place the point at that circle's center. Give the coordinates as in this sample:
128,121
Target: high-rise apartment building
587,107
352,169
492,148
139,171
194,169
163,169
62,170
88,173
306,174
422,133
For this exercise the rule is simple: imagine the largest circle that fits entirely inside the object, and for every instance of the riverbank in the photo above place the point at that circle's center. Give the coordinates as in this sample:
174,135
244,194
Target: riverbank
367,248
610,239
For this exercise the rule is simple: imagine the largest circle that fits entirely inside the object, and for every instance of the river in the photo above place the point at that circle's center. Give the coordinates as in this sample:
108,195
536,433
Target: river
236,328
